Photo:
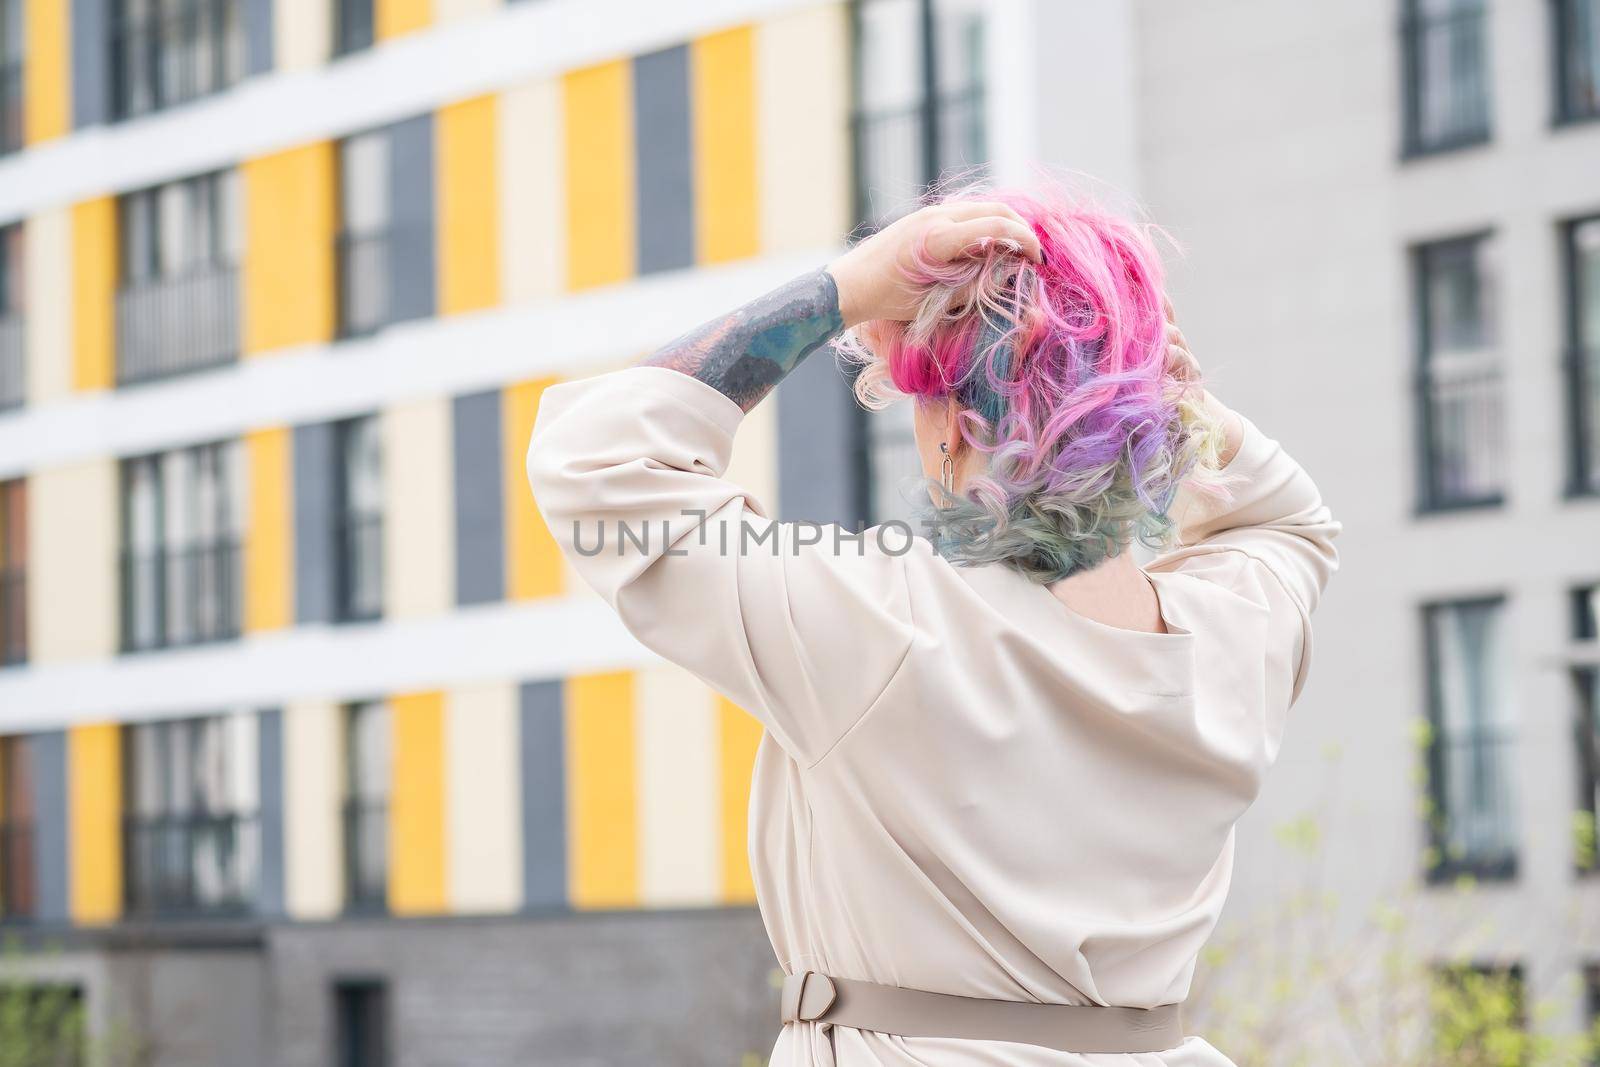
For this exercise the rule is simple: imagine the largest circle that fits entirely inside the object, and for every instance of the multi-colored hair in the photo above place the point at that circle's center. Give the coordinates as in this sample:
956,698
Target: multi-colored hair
1065,381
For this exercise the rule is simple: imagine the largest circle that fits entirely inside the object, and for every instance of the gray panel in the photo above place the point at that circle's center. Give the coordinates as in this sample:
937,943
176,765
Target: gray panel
411,277
270,749
314,573
819,454
544,796
49,755
665,168
258,35
91,62
480,507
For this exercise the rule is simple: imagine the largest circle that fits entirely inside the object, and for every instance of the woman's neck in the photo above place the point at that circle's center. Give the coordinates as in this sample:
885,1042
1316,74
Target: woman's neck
1116,593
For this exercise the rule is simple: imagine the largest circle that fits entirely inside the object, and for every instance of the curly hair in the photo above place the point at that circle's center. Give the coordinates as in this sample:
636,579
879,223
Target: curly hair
1065,382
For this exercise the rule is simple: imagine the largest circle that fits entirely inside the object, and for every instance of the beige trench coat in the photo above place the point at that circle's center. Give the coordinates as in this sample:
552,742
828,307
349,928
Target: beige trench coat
964,786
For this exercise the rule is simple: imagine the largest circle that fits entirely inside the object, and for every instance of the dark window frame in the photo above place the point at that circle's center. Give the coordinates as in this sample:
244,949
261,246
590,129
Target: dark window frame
1581,371
181,39
1565,110
1445,867
354,26
357,532
13,575
186,313
13,349
364,820
1415,27
1431,495
1585,681
217,558
17,875
363,252
362,1021
184,830
13,59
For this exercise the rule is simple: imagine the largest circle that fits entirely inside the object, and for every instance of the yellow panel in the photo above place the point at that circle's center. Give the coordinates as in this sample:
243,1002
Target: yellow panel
290,215
466,154
416,806
47,71
600,208
533,562
94,820
94,283
602,826
740,736
726,208
268,563
395,17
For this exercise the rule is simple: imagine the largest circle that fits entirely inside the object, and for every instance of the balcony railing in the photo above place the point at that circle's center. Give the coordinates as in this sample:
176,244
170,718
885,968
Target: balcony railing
1462,409
1577,60
191,864
168,326
1447,79
364,266
181,596
16,870
13,362
366,853
1473,828
1583,392
170,53
13,616
895,162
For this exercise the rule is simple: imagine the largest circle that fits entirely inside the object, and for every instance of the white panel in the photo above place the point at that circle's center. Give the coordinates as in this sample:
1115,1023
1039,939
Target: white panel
803,91
393,81
532,192
483,805
47,266
72,580
679,807
455,10
419,510
534,639
412,361
312,792
303,33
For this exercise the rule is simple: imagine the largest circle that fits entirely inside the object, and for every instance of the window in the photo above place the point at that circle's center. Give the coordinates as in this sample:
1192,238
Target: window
919,109
1460,404
359,522
181,518
1586,690
1471,823
352,25
13,572
190,835
178,294
1445,46
366,804
11,57
361,1014
17,872
365,214
168,52
1577,38
1583,354
13,361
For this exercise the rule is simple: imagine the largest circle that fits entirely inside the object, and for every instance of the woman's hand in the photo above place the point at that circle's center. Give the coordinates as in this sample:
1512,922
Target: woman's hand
872,277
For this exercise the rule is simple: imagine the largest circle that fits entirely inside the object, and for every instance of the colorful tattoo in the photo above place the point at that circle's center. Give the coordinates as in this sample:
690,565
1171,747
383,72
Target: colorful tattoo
746,352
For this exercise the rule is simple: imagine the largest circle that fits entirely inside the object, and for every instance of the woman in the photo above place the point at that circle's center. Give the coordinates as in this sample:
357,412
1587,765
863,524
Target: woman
992,816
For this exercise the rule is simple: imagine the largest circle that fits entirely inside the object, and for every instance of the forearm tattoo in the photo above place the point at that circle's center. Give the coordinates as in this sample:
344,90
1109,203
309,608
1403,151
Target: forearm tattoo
745,353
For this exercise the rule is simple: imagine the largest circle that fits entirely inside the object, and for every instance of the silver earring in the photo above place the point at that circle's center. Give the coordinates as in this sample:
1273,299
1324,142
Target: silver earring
947,469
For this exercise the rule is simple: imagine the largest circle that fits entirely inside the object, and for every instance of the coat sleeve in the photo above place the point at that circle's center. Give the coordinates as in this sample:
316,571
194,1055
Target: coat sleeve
1268,536
800,625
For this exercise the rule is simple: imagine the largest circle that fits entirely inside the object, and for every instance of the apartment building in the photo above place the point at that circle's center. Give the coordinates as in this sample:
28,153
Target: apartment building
314,750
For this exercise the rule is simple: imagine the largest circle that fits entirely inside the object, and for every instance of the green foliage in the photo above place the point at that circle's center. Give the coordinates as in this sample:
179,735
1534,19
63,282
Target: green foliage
41,1025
